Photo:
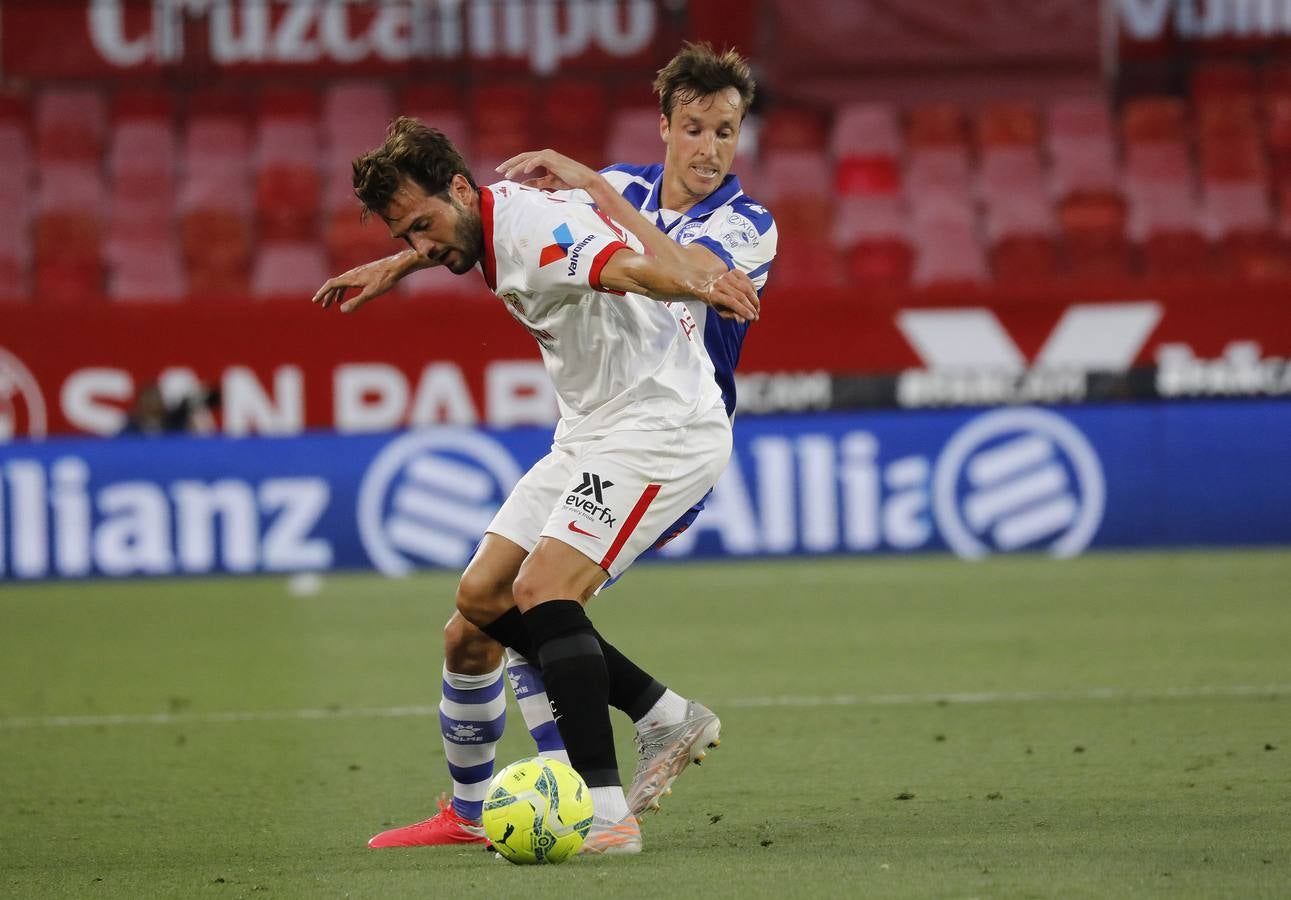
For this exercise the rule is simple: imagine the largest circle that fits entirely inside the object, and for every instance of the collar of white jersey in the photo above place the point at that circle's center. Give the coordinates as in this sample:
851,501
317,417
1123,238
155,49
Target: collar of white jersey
488,259
725,193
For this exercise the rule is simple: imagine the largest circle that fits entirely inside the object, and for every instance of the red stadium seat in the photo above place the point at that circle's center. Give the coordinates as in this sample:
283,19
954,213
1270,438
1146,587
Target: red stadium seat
947,252
794,129
287,180
1278,136
634,136
797,184
70,124
147,269
1024,260
873,233
1222,83
939,187
1093,235
63,282
68,233
1084,165
215,141
937,125
867,130
1079,116
352,242
16,171
574,114
885,262
1009,124
805,263
15,258
1007,170
143,105
1154,119
288,270
1175,255
503,115
942,168
867,145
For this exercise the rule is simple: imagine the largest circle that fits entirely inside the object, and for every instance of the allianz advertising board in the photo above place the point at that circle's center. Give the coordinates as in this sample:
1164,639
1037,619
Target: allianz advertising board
1058,481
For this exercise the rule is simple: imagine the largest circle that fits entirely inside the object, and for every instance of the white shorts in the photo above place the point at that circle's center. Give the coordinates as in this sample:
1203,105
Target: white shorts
612,498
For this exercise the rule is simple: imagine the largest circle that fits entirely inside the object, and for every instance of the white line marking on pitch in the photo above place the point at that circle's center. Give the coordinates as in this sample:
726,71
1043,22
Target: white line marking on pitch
401,712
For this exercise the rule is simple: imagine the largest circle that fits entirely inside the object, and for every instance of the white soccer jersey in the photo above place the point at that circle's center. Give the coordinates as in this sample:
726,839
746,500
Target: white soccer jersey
739,230
618,361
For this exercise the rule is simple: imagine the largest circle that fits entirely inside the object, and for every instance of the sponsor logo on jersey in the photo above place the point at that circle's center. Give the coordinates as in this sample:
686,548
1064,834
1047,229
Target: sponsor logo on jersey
588,499
738,231
428,498
574,254
557,251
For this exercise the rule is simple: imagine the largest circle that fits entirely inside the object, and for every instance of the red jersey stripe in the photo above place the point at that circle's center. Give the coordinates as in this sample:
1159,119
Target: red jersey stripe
630,524
594,277
489,264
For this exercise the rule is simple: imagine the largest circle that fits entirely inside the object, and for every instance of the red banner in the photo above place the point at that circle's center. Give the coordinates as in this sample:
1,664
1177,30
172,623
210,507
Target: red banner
46,39
283,367
1148,29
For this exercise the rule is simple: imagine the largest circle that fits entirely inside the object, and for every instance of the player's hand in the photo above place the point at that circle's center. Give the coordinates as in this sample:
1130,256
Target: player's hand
371,279
732,294
548,171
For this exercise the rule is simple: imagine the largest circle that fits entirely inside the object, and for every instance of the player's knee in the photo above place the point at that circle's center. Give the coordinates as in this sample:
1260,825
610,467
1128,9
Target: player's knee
467,650
479,599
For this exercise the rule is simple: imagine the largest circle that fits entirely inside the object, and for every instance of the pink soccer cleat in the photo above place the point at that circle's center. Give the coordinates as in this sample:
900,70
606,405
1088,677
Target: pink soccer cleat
445,827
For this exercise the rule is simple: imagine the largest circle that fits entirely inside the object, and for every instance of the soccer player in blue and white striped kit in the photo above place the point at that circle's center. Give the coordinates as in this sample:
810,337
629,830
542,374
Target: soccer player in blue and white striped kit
688,204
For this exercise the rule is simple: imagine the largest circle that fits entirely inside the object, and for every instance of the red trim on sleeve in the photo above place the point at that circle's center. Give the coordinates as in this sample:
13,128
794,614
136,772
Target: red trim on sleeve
630,524
598,263
489,263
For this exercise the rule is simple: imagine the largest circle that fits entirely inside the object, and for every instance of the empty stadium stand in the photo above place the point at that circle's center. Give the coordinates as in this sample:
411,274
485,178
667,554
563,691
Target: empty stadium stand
144,196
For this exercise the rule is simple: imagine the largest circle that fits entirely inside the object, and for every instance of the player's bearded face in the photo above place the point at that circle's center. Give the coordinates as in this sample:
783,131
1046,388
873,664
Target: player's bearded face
468,240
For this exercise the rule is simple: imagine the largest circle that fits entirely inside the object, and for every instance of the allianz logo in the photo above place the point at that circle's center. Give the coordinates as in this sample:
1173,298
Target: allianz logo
429,496
53,521
1008,480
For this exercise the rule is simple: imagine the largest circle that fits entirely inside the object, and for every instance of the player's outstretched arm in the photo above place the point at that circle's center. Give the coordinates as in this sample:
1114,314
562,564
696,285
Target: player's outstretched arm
562,173
371,279
730,292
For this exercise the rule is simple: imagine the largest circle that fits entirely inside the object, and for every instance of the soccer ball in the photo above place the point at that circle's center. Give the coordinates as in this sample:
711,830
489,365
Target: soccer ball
537,811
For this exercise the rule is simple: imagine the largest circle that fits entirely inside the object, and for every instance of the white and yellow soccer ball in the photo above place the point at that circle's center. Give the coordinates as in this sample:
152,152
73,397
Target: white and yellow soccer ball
537,810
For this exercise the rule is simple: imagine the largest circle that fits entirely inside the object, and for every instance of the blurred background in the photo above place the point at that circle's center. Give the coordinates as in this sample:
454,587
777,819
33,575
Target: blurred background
1032,299
1072,210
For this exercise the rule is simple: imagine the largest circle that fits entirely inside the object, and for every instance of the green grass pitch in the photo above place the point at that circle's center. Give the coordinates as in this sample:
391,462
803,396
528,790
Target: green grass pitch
1113,726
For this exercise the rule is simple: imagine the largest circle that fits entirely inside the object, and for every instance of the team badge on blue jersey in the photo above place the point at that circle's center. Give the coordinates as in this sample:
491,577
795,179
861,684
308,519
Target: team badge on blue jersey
690,231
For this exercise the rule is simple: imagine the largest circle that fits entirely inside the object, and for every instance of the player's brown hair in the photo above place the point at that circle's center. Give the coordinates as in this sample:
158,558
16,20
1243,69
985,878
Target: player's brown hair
699,70
412,150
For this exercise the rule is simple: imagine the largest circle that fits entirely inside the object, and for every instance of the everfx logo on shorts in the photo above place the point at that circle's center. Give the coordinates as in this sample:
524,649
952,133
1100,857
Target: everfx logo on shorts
1018,479
580,496
429,496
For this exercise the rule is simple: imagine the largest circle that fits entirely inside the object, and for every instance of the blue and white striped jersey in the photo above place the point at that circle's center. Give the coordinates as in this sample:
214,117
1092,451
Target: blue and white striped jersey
728,222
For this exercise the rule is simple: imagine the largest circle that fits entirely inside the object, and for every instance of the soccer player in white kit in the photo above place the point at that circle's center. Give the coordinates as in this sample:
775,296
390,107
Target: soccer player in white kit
643,432
692,200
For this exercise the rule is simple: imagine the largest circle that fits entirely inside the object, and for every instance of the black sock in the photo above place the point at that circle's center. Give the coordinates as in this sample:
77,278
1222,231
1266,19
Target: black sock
509,631
632,689
573,668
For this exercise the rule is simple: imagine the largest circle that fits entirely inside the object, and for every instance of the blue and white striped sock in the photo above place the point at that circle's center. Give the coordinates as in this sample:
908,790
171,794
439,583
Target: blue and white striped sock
531,695
472,716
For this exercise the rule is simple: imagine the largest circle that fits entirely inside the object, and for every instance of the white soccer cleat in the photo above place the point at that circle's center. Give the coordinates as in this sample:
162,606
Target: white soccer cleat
623,836
665,751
